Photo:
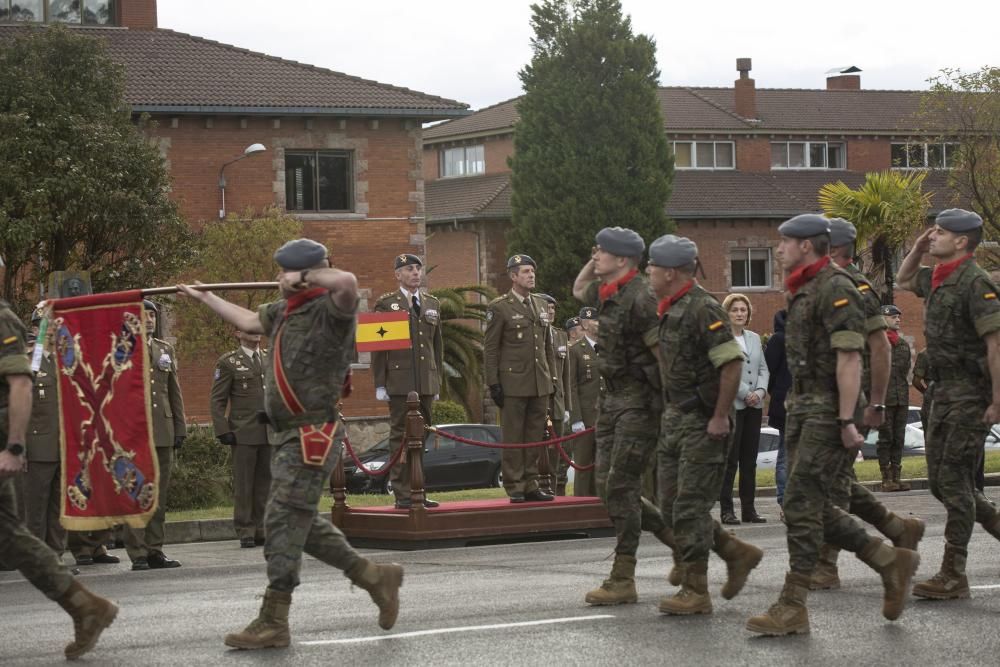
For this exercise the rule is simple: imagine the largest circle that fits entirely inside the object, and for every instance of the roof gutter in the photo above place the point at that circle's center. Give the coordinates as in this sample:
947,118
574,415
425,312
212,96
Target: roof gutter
429,114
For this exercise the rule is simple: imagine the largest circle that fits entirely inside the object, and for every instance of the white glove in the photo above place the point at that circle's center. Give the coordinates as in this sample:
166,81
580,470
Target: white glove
381,394
566,416
577,427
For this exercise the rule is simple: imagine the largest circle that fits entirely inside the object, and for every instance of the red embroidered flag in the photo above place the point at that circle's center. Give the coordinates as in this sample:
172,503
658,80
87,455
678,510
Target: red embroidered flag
109,467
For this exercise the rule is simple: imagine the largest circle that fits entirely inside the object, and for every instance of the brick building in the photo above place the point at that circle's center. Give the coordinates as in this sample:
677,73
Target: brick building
343,153
747,159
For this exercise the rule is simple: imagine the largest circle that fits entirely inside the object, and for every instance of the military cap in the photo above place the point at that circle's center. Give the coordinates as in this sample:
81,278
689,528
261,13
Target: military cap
670,251
572,323
958,220
547,298
588,313
891,309
300,254
620,241
520,260
842,232
406,260
36,315
804,226
151,305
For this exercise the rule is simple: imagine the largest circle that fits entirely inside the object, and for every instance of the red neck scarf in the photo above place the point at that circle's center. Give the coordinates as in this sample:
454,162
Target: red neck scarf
608,290
677,296
893,336
802,275
299,299
942,271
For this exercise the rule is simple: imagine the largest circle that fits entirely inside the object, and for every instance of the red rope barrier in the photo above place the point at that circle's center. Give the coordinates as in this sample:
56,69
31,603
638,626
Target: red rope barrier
373,473
509,445
571,462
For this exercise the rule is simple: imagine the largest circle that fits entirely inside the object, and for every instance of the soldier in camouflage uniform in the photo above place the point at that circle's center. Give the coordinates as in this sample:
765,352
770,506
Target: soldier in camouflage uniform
629,414
824,339
20,549
962,328
310,329
897,406
701,364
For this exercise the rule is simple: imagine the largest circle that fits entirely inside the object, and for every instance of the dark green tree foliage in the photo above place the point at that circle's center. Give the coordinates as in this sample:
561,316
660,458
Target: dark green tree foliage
590,148
81,186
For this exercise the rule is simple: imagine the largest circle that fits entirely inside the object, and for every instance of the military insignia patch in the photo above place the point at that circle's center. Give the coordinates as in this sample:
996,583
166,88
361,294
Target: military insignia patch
431,316
489,315
990,295
163,363
218,373
840,303
517,259
394,306
863,287
402,258
715,326
11,339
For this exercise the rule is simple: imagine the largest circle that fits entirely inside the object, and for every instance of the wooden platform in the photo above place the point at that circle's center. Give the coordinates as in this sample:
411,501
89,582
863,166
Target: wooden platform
473,522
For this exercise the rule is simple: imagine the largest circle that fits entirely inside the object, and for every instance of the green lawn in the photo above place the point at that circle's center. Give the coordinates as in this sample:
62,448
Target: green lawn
914,467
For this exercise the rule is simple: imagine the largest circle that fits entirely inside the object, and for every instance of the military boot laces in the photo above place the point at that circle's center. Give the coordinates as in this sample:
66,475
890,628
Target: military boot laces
619,587
693,597
950,583
91,614
826,576
896,567
788,616
269,629
382,583
741,558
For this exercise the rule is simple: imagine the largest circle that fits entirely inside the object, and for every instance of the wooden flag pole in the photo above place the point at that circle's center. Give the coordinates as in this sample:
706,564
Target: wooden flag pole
213,287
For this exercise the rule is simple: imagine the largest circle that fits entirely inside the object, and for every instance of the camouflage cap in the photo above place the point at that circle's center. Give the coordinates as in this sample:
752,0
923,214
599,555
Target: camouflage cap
805,226
620,241
572,323
670,251
520,260
842,232
958,220
300,254
891,309
406,260
588,313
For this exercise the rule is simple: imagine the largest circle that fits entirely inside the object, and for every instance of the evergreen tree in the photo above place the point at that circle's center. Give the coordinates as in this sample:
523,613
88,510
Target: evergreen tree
589,149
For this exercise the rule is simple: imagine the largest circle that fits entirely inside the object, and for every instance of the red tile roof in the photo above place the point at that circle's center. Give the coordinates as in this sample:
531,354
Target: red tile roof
468,197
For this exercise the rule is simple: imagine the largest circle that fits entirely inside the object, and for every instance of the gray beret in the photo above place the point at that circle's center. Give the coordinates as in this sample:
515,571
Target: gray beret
670,251
520,260
804,226
572,323
620,241
891,310
958,220
300,254
547,298
588,313
405,260
842,232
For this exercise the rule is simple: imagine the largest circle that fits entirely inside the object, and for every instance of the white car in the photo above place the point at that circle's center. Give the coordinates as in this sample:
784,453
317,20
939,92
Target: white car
767,449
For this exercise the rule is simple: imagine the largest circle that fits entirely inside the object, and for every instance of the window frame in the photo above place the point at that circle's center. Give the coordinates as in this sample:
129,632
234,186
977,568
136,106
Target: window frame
316,153
807,148
693,144
46,16
465,161
947,150
747,252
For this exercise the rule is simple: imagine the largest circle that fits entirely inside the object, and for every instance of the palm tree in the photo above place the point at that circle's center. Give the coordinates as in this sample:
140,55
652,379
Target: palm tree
888,210
461,318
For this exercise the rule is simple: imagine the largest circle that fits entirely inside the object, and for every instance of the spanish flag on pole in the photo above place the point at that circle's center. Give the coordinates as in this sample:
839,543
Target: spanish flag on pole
378,332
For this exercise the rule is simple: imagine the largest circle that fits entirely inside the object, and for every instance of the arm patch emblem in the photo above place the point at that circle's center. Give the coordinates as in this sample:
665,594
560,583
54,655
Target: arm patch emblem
715,326
864,287
990,295
840,303
8,341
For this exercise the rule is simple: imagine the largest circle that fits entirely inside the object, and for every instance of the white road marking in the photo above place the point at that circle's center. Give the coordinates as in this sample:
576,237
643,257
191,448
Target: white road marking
985,588
466,628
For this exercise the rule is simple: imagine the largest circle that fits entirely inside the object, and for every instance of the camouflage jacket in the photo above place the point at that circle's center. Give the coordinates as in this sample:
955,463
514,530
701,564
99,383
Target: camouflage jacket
874,321
899,375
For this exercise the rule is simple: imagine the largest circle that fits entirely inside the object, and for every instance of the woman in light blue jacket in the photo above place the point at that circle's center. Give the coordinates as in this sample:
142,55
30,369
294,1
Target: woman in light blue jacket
749,406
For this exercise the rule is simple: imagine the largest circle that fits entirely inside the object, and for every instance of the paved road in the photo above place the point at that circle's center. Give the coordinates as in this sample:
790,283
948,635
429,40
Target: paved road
519,604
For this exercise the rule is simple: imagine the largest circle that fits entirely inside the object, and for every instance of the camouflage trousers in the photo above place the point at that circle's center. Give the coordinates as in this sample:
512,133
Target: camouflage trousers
851,497
690,466
892,435
626,441
23,551
292,520
819,467
954,444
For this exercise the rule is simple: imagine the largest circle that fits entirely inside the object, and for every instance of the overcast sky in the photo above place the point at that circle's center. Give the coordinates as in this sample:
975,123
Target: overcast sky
471,50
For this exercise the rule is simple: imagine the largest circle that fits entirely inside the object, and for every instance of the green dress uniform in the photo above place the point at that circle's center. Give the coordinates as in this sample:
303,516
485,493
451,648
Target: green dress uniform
43,481
559,404
892,434
393,370
519,356
237,398
585,387
167,412
921,370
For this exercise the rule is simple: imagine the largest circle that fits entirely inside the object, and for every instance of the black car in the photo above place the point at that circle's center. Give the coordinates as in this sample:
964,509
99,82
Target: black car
447,464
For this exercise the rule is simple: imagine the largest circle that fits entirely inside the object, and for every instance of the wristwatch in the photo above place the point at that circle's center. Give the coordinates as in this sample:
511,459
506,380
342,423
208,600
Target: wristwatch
877,407
844,423
15,448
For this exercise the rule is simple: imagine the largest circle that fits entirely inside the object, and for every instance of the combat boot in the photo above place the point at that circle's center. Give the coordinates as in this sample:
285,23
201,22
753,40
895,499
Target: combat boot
950,583
896,567
904,533
740,559
382,583
91,615
826,576
693,597
900,484
788,616
667,537
888,485
619,587
269,629
993,526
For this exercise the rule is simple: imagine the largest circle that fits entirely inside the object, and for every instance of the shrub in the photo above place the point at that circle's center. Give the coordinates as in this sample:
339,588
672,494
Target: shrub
449,412
202,475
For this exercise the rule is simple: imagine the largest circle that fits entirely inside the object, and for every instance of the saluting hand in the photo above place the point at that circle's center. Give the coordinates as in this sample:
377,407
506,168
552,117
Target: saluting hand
923,242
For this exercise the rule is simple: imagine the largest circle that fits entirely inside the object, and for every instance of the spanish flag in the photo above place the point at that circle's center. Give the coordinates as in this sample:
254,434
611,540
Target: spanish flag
378,332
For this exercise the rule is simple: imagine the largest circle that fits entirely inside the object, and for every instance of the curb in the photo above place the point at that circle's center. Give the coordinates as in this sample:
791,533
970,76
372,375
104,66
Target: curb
917,484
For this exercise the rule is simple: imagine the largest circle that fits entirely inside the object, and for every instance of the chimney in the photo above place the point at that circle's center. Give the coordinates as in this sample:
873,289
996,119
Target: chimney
843,78
745,91
137,14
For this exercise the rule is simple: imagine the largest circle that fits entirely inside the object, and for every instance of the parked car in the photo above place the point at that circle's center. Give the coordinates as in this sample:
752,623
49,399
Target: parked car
993,437
913,442
447,464
913,417
767,451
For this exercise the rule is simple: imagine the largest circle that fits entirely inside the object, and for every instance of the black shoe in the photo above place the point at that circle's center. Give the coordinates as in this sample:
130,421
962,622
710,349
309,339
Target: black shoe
428,503
104,559
729,519
404,504
753,518
247,543
259,541
140,564
85,560
538,495
158,561
517,497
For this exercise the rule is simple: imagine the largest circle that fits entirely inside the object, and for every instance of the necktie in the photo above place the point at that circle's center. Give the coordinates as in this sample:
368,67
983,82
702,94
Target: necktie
256,362
416,306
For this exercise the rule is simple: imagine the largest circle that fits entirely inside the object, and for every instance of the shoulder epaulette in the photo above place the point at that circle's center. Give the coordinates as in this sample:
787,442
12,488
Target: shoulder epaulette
385,296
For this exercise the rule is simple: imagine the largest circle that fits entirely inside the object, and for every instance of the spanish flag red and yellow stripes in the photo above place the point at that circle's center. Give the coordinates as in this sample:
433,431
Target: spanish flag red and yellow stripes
378,332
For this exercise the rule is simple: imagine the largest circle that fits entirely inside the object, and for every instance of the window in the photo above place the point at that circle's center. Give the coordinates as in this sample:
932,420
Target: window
704,155
319,181
463,161
750,267
807,155
86,12
924,156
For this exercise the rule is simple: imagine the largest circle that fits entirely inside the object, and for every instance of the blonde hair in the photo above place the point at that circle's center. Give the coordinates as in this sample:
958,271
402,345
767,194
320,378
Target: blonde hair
733,298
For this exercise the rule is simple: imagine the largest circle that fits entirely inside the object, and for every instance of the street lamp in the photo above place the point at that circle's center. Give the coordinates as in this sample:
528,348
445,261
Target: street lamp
252,149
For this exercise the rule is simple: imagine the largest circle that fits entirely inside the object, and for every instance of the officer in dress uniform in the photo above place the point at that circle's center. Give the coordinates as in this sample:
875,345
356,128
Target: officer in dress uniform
393,371
586,387
237,397
559,403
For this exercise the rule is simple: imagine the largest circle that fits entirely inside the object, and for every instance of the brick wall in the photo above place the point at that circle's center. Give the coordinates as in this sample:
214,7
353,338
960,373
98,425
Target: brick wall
869,154
753,154
497,150
137,14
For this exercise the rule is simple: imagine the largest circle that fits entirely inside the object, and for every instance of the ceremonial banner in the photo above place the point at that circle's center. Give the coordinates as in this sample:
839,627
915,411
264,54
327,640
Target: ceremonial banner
109,466
378,332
